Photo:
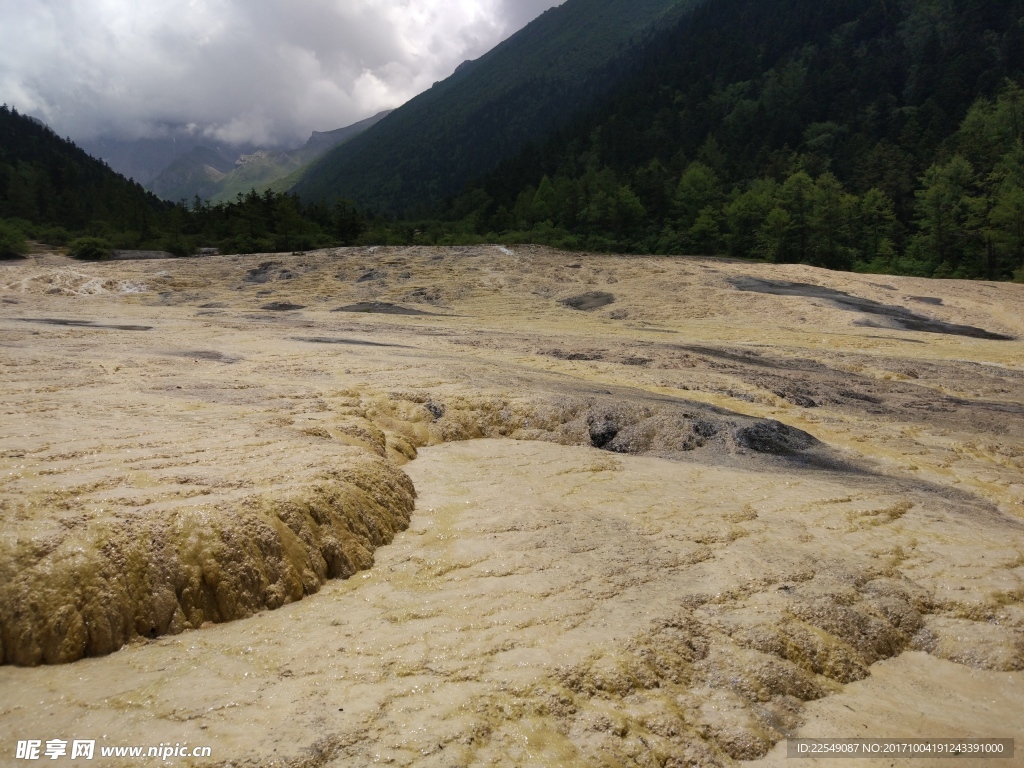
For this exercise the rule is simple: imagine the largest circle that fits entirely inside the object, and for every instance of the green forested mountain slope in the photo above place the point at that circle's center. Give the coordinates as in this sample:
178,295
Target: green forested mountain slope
848,133
47,180
52,191
520,91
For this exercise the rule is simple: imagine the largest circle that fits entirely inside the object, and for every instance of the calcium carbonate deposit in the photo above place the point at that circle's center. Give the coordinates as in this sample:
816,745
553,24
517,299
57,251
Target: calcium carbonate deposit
506,507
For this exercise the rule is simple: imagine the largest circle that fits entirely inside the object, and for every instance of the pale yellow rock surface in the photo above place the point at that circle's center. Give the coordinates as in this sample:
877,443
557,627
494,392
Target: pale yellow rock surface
806,520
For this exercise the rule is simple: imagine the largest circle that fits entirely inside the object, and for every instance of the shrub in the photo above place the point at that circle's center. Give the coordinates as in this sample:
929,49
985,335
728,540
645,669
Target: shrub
12,242
90,249
179,247
53,236
244,244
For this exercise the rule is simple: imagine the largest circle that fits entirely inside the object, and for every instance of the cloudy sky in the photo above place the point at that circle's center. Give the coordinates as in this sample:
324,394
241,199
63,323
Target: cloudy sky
256,71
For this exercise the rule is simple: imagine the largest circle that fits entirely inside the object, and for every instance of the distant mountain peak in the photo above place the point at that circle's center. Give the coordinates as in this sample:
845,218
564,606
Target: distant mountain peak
257,156
329,139
218,176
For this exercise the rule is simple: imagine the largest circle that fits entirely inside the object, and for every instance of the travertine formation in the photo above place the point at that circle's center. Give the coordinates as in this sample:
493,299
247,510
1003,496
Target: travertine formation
731,490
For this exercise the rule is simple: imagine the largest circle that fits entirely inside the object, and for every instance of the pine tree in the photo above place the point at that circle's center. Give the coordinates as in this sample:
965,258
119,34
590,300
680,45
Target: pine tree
745,214
799,197
775,237
544,206
877,221
698,188
945,213
1007,216
830,224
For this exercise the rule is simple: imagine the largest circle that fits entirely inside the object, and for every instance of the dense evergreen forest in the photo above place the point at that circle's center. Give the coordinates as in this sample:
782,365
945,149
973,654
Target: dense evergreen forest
875,135
52,191
50,188
520,91
869,134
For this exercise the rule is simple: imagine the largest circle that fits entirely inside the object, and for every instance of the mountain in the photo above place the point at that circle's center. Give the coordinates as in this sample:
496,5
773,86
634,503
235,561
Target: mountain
54,192
320,143
199,171
143,160
47,180
490,108
843,133
213,175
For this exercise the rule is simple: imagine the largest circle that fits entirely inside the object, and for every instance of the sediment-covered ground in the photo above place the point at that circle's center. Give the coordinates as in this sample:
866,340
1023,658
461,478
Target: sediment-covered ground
740,502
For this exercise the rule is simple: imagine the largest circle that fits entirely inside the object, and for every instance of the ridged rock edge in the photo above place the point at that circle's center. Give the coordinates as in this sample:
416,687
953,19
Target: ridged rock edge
145,579
201,564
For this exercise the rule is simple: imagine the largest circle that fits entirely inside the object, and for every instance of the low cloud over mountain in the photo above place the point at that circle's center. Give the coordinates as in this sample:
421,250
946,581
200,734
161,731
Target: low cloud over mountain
240,72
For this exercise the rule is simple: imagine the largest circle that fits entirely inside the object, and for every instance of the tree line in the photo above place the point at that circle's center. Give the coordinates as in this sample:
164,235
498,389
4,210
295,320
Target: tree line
966,218
851,134
53,192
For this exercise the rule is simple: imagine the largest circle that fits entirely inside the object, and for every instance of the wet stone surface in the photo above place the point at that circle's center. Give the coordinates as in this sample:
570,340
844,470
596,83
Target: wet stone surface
463,525
897,317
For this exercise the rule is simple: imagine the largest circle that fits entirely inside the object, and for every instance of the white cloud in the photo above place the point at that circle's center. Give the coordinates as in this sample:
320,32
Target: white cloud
259,71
